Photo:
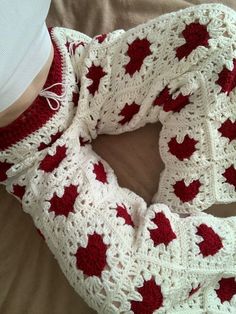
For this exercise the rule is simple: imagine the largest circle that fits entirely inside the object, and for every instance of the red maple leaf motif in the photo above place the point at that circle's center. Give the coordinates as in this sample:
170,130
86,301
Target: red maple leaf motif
195,35
164,233
230,175
182,150
100,172
227,289
65,204
186,193
128,112
49,163
92,259
228,129
227,79
123,212
165,99
211,243
138,50
95,74
152,298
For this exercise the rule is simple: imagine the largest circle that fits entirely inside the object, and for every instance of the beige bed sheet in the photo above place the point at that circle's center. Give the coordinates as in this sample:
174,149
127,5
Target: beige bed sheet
31,281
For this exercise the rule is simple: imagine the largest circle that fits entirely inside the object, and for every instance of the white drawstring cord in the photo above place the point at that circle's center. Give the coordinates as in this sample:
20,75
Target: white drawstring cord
47,94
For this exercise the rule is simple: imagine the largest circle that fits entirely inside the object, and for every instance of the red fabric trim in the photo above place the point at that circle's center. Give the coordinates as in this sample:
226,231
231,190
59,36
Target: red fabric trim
39,112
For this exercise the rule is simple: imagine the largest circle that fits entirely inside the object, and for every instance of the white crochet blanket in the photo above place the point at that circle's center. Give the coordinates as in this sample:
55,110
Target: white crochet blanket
119,254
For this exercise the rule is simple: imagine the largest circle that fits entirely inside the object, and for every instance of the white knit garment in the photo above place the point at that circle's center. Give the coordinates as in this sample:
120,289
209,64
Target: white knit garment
183,265
25,46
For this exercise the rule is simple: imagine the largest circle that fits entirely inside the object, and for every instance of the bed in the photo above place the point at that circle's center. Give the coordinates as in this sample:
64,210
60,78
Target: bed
31,281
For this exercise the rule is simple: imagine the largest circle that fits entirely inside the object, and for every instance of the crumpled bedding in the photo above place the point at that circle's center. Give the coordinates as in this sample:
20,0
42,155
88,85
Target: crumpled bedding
31,281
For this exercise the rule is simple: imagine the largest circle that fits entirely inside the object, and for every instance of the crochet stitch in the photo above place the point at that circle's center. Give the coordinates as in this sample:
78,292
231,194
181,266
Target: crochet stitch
120,255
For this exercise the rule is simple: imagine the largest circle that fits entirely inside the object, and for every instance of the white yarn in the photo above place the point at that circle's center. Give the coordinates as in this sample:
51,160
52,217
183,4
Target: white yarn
186,84
72,194
51,95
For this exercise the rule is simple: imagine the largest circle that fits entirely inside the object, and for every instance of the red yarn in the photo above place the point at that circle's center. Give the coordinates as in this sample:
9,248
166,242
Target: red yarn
164,233
18,190
75,98
228,129
65,204
212,242
227,79
95,73
49,163
165,99
82,141
138,50
186,193
128,112
195,35
182,150
76,45
100,38
38,113
54,137
4,166
67,44
123,212
227,289
92,259
100,172
152,298
230,175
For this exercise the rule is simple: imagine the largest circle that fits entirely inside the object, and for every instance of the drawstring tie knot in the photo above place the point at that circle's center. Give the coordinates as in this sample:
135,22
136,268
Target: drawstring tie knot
51,95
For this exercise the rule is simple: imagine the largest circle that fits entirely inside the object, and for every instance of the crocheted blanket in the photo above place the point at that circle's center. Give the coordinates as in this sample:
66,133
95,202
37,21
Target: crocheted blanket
73,195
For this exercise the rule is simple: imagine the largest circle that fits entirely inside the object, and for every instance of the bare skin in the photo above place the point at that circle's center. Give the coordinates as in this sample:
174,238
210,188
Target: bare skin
25,100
